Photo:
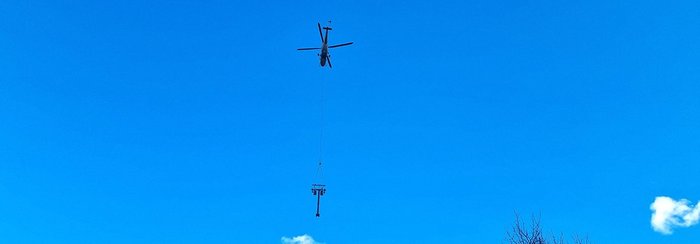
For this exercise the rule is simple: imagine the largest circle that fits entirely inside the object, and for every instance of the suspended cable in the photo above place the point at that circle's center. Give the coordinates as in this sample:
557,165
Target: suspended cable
322,103
319,189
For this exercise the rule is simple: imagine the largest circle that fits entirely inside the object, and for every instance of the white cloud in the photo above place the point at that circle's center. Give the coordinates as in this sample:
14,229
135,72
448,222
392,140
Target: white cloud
302,239
669,213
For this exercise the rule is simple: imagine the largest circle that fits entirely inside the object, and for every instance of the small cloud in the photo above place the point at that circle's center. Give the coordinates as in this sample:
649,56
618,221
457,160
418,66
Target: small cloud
669,213
302,239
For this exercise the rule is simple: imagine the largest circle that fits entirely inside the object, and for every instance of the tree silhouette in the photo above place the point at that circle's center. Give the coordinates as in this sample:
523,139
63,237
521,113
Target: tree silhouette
532,234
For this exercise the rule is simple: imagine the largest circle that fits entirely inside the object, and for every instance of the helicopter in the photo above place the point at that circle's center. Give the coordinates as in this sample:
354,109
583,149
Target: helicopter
324,55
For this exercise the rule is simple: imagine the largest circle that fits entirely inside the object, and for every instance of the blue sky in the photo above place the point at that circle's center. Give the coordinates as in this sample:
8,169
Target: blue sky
198,121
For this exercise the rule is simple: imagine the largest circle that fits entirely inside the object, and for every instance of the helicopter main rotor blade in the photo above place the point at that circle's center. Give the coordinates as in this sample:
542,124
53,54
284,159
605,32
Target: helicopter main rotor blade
340,45
329,61
308,48
319,31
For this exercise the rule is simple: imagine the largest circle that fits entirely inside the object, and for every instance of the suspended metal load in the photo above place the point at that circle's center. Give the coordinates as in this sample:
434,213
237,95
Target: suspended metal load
318,190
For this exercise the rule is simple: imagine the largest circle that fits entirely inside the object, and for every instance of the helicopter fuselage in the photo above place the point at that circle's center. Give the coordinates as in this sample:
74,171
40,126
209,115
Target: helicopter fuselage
324,54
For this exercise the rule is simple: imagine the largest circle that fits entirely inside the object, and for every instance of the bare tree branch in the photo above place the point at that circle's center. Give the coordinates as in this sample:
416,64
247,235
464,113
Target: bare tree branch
533,234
